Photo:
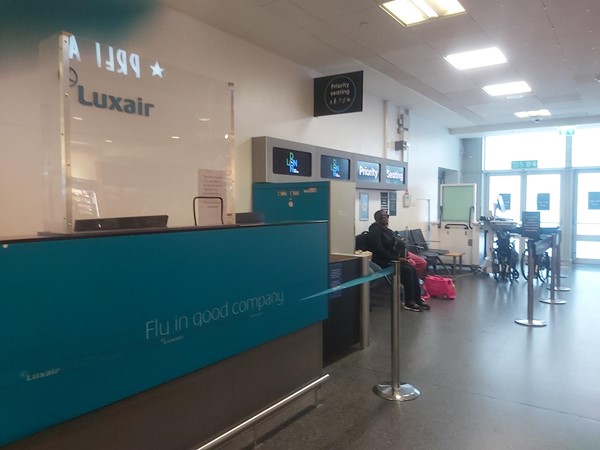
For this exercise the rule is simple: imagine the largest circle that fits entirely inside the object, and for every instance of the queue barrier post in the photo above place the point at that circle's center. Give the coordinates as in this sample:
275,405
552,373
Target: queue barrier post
556,255
554,274
394,390
530,321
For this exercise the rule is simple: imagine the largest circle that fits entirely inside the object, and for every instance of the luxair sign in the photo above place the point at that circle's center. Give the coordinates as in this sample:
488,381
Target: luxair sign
367,171
118,62
394,174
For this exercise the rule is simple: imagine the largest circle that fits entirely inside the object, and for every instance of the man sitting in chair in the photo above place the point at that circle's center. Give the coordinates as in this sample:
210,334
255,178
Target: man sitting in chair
387,247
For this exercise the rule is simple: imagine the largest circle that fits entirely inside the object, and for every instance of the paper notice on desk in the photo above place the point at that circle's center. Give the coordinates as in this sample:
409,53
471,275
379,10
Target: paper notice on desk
212,205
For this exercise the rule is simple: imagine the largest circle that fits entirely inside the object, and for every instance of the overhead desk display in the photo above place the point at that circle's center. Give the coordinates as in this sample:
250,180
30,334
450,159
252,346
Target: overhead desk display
127,134
279,161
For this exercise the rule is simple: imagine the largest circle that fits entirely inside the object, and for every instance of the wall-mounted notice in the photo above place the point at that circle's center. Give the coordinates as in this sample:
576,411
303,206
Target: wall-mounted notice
593,200
363,203
211,184
393,203
543,202
338,94
384,201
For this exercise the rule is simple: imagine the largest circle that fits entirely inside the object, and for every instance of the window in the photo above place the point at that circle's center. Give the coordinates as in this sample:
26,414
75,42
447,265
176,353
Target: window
542,150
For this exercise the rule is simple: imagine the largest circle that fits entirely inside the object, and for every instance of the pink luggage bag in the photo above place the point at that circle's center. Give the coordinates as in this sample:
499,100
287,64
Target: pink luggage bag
440,287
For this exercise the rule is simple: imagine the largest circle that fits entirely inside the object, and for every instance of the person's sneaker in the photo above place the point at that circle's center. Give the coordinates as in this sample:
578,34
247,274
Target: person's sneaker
412,307
424,306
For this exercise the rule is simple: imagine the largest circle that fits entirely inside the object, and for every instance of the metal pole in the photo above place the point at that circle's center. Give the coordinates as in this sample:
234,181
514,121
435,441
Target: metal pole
365,296
530,321
394,390
554,274
558,287
560,275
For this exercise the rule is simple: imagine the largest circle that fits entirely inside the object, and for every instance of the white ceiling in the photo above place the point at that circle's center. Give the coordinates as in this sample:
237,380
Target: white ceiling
554,45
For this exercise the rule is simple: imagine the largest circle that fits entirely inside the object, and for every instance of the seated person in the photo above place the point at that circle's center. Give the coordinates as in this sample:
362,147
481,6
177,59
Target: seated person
419,263
387,247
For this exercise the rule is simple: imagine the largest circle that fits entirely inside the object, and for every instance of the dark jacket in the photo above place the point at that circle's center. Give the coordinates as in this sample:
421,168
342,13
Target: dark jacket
385,245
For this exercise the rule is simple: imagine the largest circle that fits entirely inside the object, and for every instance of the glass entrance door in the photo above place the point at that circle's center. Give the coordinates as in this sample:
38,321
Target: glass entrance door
543,195
587,217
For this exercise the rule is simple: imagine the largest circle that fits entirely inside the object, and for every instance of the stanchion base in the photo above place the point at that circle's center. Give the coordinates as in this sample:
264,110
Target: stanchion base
531,323
559,289
403,393
553,301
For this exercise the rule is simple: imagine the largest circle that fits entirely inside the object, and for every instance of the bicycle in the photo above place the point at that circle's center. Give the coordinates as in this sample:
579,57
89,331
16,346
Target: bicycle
542,262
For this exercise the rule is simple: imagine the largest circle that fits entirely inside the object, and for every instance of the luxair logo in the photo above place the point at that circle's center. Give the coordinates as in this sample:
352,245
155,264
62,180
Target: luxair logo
335,169
117,61
292,163
113,103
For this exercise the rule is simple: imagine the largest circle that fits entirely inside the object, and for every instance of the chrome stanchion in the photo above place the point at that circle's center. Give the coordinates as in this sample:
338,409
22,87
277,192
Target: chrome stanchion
554,274
530,321
556,256
394,390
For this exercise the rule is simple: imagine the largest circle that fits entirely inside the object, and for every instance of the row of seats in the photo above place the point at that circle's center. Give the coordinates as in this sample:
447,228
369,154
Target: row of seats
415,243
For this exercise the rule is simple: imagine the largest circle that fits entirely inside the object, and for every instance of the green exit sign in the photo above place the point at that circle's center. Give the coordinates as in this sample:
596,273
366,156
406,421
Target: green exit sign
523,164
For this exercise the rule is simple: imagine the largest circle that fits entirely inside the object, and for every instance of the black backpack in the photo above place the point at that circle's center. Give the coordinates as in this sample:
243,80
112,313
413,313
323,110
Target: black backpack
363,241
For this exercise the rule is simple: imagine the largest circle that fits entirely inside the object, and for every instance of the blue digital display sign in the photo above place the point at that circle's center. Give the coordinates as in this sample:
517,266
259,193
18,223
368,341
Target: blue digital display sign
394,174
368,171
335,168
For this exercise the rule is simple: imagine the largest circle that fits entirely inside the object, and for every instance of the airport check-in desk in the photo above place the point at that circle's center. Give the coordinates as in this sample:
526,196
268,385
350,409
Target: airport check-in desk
156,339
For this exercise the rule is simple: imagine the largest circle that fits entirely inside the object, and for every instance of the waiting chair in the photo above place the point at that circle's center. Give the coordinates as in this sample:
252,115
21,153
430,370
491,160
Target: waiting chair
432,256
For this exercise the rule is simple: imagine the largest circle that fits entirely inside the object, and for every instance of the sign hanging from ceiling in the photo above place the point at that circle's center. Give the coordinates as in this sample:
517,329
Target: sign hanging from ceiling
338,94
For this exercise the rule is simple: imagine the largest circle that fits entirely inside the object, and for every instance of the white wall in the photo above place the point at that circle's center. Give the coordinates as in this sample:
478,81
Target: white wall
273,97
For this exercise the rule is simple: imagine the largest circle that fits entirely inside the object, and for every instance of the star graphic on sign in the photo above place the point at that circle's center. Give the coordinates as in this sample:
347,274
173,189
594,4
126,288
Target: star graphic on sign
157,71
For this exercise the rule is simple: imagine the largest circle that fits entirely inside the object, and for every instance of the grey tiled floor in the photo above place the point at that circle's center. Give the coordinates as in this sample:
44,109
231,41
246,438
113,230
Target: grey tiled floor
485,382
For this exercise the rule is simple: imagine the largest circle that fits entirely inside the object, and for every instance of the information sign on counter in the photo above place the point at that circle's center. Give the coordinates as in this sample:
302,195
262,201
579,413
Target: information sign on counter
530,224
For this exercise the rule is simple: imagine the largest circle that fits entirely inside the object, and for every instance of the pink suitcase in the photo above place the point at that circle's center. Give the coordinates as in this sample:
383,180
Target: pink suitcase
440,287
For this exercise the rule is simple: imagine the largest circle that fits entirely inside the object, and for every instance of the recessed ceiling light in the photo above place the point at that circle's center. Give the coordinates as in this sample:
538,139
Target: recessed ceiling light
77,118
476,58
411,12
175,137
528,114
515,87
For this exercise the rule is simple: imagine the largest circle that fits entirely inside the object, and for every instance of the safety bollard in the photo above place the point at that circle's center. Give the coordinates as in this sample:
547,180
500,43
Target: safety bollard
394,390
530,321
554,274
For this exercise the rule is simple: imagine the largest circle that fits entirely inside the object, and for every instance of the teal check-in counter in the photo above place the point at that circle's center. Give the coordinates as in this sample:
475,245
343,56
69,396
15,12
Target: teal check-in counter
90,322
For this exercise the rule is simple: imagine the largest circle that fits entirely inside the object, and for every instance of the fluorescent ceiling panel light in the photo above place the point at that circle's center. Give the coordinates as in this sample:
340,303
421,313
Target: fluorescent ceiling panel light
516,87
410,12
476,58
528,114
